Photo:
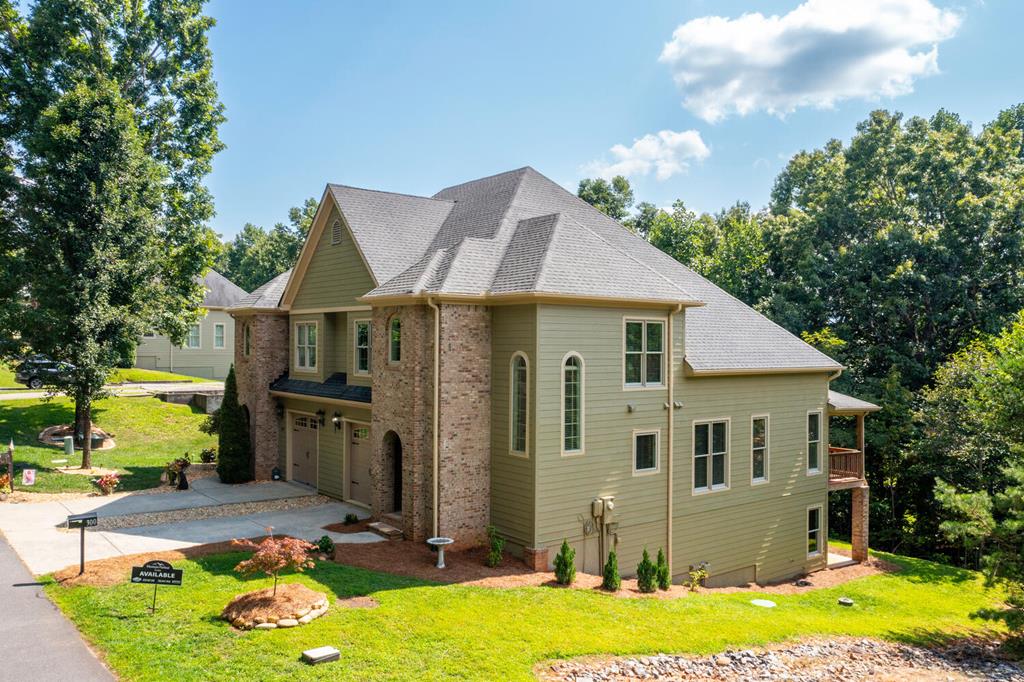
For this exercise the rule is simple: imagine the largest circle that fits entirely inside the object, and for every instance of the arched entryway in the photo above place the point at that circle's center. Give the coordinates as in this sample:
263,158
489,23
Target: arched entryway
393,470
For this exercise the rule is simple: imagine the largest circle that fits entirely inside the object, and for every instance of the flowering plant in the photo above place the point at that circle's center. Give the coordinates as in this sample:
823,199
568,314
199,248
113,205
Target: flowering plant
107,483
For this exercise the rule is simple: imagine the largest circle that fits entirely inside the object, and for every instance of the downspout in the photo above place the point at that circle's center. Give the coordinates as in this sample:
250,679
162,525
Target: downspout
671,434
437,397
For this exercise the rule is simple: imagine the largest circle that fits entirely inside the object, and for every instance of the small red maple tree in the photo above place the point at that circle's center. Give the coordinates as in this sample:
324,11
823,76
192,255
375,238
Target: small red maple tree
273,555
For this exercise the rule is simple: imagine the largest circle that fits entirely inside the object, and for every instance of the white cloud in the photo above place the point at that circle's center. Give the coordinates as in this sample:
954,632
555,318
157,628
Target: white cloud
666,153
820,53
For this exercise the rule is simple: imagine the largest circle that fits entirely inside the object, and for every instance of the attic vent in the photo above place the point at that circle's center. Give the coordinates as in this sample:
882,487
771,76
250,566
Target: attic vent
336,232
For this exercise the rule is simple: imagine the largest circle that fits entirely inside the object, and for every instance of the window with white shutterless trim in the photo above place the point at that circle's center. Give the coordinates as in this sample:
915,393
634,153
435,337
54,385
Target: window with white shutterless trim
218,335
814,530
361,346
646,451
814,442
572,404
759,448
193,340
643,353
710,455
306,345
519,395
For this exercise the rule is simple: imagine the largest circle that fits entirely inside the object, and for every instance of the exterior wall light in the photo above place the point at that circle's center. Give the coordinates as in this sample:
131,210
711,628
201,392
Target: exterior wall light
336,420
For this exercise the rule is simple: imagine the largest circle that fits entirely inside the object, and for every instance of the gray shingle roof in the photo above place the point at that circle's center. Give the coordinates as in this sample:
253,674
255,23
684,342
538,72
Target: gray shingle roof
519,232
221,292
840,402
267,296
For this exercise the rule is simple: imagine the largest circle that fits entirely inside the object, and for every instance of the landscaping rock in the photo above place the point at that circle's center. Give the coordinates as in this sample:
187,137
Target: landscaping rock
287,623
266,626
306,619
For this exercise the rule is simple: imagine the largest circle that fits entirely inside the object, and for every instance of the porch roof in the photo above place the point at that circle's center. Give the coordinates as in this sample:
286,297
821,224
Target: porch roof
335,388
842,404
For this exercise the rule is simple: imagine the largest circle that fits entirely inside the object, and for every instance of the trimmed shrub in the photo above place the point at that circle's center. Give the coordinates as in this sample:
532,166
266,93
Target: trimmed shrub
496,552
350,518
611,580
662,574
565,564
697,575
235,462
326,545
646,574
208,456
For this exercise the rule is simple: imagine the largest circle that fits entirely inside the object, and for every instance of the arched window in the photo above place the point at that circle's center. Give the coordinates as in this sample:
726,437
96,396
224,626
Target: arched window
519,380
572,404
395,340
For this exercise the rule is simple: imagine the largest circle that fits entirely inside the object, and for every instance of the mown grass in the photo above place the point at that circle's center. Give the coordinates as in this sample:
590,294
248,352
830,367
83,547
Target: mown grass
148,434
427,631
7,377
141,376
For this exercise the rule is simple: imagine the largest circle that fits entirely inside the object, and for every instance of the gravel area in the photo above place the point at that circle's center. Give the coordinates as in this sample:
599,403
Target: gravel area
198,513
811,661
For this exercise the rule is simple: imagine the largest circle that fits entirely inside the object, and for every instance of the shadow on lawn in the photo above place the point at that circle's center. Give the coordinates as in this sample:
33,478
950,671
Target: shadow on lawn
922,571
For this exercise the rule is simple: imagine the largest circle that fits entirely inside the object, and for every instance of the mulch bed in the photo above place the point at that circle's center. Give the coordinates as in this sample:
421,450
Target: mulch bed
293,601
357,527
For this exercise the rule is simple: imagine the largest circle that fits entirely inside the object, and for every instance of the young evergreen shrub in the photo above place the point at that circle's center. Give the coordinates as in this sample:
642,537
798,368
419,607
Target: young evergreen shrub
565,564
611,581
646,574
661,566
494,555
235,462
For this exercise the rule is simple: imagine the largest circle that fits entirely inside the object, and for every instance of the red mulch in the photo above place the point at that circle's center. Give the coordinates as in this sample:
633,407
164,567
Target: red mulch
357,527
293,600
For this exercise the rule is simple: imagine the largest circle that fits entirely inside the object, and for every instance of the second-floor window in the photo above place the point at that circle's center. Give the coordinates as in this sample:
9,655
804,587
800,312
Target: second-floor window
711,455
759,449
520,384
305,345
813,442
572,404
218,336
644,352
193,339
395,340
362,346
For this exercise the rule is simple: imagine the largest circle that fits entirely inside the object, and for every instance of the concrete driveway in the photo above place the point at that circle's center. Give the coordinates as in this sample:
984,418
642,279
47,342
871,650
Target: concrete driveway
127,390
34,530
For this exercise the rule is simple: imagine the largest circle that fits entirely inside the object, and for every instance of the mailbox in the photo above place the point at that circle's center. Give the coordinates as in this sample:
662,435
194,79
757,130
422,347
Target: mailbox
82,520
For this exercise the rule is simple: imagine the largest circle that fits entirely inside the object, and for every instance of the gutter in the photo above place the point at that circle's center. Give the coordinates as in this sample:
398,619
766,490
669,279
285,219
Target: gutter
671,432
437,407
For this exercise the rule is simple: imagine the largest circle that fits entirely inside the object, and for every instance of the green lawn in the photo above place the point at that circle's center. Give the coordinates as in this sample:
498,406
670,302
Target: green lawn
136,375
427,631
7,377
148,434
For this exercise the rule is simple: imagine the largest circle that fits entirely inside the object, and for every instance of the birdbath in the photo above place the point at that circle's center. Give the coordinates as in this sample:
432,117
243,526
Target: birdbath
440,544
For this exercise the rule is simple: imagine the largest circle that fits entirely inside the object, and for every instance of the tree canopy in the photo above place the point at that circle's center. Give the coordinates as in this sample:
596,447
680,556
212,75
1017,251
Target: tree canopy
256,255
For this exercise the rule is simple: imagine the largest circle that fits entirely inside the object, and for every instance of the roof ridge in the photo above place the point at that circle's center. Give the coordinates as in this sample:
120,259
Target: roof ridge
428,271
481,179
547,247
383,191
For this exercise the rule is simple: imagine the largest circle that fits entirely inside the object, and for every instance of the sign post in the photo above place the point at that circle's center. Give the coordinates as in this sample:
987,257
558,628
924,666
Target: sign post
156,573
82,521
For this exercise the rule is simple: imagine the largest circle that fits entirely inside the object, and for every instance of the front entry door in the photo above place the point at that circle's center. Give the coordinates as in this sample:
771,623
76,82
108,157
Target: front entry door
304,449
359,463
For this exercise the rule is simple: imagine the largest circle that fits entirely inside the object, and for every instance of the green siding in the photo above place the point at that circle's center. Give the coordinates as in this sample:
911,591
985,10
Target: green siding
336,275
349,352
323,346
732,529
512,477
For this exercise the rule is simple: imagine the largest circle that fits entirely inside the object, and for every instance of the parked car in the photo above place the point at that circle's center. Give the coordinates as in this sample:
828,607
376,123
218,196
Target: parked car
38,371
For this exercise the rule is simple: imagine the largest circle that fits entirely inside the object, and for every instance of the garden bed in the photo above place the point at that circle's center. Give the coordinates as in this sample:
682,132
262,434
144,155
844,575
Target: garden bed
293,604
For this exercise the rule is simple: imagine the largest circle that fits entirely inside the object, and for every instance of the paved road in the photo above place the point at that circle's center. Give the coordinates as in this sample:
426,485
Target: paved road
124,390
39,644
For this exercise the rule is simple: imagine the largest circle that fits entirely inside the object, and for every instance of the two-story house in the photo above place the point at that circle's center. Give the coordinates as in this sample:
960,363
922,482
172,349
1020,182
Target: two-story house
503,353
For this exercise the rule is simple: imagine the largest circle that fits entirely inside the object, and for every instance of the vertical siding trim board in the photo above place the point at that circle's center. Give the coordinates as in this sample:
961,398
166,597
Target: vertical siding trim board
670,454
581,407
657,452
694,490
767,449
525,452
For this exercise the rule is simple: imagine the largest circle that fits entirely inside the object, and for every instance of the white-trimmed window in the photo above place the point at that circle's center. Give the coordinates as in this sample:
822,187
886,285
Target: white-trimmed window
305,345
218,335
337,232
814,442
572,404
361,345
395,340
645,451
519,395
711,455
247,339
814,530
193,340
759,448
644,346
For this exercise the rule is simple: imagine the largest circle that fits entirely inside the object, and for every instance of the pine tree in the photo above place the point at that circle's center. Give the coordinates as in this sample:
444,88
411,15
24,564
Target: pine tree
611,581
646,574
565,564
661,568
234,463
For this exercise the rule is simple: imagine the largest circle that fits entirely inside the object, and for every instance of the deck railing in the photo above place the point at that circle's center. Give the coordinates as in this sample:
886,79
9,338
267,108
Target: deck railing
845,464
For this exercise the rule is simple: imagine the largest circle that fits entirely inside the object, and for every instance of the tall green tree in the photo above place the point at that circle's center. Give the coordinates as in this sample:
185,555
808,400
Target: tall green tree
234,448
107,128
256,255
611,198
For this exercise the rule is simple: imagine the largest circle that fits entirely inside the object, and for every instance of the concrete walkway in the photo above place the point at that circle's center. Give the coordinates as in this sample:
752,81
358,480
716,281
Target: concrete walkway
39,643
34,530
127,390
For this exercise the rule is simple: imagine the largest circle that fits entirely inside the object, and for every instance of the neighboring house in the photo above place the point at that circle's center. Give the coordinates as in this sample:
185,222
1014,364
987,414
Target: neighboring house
208,350
503,353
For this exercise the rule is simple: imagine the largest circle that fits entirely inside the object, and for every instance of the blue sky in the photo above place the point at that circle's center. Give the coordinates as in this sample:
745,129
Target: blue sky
413,96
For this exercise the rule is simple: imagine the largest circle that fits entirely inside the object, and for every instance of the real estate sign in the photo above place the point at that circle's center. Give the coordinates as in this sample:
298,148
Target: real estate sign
157,573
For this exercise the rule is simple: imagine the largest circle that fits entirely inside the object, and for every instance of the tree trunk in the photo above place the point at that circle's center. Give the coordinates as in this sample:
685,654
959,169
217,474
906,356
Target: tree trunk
79,424
86,434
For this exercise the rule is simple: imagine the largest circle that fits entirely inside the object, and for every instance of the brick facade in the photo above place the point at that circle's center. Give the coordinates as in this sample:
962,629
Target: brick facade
267,360
861,513
536,558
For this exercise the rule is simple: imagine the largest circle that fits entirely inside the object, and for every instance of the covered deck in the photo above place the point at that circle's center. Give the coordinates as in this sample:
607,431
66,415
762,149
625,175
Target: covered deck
846,467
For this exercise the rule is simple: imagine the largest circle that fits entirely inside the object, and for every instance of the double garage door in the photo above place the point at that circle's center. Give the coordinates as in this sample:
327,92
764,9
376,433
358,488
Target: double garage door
305,455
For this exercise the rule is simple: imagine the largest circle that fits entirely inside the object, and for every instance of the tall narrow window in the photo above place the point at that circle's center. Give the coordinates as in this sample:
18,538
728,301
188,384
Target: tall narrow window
759,449
520,391
572,405
395,340
813,442
362,346
644,352
247,339
813,531
218,336
193,338
710,456
645,452
305,345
